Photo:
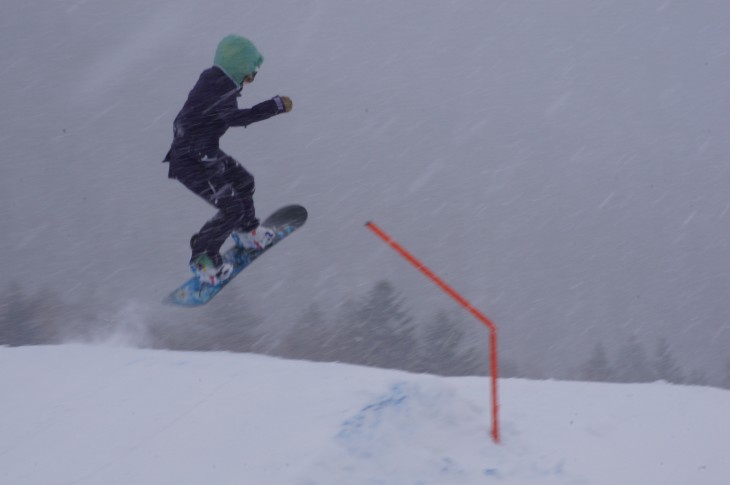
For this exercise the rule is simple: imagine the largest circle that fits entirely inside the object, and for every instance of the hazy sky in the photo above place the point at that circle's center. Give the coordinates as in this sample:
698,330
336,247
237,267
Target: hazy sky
564,164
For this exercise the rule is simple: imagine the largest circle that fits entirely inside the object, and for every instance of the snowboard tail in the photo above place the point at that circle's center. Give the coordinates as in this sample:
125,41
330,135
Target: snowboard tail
194,293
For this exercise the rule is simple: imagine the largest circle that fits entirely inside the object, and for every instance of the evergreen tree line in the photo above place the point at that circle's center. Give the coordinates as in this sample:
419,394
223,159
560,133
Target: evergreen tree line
375,329
634,363
43,318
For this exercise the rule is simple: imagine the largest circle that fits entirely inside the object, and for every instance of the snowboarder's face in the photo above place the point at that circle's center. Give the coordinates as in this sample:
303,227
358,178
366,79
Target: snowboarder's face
249,79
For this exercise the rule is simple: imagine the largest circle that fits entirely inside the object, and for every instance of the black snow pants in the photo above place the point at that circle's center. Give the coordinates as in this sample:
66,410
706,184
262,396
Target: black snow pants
229,187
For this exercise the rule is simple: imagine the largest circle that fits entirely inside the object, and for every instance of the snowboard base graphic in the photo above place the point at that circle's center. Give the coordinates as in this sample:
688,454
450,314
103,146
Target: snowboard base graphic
194,293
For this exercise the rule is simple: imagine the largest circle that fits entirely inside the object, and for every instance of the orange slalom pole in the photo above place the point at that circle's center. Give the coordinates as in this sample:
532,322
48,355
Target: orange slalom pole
476,313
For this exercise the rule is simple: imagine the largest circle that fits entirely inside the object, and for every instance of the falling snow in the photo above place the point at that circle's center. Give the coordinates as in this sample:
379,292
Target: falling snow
563,164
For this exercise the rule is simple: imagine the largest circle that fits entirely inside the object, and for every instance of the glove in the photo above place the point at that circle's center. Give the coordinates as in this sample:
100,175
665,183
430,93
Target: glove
283,103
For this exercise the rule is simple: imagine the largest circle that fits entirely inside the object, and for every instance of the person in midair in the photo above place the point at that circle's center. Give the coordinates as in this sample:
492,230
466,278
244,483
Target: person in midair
197,161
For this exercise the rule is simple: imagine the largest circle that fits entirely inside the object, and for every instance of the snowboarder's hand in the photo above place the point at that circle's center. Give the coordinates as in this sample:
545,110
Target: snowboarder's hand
287,103
283,103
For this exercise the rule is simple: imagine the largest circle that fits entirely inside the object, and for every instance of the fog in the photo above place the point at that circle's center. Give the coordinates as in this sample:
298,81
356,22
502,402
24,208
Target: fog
562,164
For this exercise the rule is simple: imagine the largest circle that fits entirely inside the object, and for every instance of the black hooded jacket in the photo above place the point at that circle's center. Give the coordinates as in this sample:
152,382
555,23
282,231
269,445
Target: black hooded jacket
211,108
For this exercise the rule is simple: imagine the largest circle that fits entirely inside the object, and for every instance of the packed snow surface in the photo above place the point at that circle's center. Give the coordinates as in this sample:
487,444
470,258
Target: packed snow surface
104,415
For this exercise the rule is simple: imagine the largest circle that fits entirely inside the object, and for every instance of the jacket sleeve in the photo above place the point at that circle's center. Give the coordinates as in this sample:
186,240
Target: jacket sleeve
259,112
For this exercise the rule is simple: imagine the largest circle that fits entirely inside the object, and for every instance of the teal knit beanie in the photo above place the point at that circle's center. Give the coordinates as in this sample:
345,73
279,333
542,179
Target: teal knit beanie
238,57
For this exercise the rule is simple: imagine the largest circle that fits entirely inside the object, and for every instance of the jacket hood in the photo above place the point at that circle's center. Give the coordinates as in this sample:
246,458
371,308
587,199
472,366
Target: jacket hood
237,57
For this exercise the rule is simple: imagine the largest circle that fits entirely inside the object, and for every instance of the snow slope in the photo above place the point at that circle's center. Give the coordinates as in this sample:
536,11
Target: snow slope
103,415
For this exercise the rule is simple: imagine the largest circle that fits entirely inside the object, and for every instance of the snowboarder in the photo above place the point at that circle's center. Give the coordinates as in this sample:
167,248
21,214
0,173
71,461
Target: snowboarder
197,161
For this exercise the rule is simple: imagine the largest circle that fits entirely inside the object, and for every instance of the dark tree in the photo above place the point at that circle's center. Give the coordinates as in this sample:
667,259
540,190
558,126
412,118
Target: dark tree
598,368
376,331
444,350
309,337
725,378
665,365
16,310
633,364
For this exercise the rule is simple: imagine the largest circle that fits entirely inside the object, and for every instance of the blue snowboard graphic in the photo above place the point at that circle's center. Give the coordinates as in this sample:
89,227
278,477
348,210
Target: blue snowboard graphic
194,293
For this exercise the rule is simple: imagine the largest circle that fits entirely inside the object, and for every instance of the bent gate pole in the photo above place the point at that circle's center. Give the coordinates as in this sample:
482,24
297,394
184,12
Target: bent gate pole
476,313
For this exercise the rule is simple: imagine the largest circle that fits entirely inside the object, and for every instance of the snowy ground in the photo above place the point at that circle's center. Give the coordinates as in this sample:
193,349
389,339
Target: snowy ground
103,415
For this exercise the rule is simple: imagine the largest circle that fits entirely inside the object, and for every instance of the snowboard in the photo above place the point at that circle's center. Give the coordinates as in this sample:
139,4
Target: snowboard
194,293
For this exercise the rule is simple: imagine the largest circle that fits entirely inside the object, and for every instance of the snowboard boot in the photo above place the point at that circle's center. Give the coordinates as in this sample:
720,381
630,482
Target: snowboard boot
210,270
259,238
